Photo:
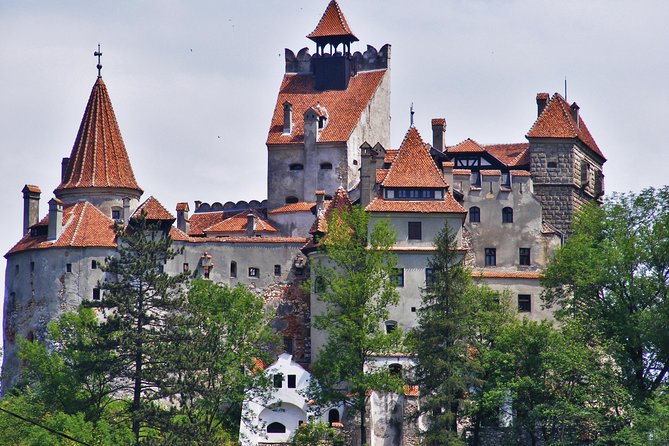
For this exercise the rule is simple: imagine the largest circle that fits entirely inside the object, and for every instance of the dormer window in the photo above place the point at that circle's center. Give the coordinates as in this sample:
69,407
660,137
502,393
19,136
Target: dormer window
322,122
506,180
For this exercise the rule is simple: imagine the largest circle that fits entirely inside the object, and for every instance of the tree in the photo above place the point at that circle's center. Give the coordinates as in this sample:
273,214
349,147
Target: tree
613,275
144,307
353,277
456,321
317,434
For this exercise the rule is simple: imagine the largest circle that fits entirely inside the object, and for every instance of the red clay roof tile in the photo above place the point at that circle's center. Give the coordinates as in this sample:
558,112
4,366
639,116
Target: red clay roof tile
237,224
293,207
491,172
448,205
462,172
555,121
511,155
154,210
344,106
506,274
99,158
520,173
182,207
413,166
33,188
466,146
332,24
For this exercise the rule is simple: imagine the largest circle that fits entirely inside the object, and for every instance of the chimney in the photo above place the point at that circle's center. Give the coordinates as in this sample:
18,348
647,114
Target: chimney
574,114
447,172
542,101
31,195
320,201
438,131
287,117
63,168
369,157
182,217
310,127
126,210
250,224
55,219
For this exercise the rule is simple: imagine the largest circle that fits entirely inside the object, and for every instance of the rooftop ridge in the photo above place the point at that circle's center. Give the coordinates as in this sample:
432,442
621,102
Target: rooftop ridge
413,165
332,24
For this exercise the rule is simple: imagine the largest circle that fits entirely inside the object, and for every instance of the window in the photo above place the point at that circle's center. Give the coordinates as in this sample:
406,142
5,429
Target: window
116,214
475,179
506,180
333,416
68,267
585,172
321,122
524,303
395,369
398,276
96,293
429,276
186,267
296,166
291,200
551,164
32,267
415,230
254,272
507,215
233,269
524,256
326,166
599,183
413,309
414,193
278,380
490,257
94,264
292,381
276,428
390,326
474,214
277,270
288,344
319,284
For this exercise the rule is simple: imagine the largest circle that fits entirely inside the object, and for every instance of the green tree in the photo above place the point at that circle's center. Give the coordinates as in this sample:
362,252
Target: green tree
612,275
456,322
353,271
317,434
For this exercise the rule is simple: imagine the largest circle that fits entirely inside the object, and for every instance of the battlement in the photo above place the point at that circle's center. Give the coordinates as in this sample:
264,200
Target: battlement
367,61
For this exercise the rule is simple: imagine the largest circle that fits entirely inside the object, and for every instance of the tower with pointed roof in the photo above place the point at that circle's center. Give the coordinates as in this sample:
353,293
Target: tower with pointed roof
565,161
328,104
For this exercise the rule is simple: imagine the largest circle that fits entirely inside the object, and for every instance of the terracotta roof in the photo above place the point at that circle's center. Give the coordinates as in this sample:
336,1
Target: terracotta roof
332,24
491,172
99,158
390,155
237,224
294,207
438,121
555,121
32,188
344,106
340,202
413,166
381,175
178,235
466,146
83,225
520,173
546,229
154,210
182,207
410,390
506,274
462,172
199,221
510,154
447,164
448,205
252,240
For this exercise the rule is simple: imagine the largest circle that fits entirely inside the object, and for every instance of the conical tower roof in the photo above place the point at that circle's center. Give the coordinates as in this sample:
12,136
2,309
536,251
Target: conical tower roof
332,24
98,158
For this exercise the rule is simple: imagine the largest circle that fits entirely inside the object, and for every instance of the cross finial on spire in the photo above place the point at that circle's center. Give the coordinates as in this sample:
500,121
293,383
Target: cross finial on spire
411,113
98,53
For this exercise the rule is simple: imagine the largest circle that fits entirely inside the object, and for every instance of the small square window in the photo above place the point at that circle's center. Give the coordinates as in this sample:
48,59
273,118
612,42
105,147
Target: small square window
278,380
116,214
524,303
398,276
96,293
68,267
415,230
186,267
524,256
413,309
254,272
429,276
490,257
277,270
292,381
94,264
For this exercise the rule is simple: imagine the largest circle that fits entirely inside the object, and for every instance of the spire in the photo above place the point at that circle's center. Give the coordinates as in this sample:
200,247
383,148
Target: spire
413,165
98,54
332,24
98,158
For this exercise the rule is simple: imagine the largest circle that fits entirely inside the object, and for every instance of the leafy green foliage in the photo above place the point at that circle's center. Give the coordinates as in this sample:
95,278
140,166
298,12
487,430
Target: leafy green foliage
317,434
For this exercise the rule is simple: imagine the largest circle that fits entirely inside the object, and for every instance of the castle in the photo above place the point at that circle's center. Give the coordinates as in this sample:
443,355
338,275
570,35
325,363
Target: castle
328,145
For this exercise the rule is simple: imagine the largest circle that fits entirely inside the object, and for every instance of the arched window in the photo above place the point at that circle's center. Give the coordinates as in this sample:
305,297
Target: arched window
326,166
507,215
296,166
276,428
333,416
474,214
233,269
291,199
395,369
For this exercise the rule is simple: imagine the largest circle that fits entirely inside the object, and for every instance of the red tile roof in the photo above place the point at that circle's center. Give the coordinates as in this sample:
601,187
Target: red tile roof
520,173
340,202
462,172
344,106
506,274
390,155
510,154
491,172
413,166
237,224
99,158
381,175
154,210
182,207
84,225
438,121
293,207
332,24
32,188
410,390
466,146
555,121
448,205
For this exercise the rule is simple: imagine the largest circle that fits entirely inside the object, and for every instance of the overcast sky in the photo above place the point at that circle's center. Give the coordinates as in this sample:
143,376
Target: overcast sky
193,83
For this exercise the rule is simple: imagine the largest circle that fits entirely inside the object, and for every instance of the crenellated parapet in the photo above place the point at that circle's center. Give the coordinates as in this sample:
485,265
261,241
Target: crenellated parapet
371,59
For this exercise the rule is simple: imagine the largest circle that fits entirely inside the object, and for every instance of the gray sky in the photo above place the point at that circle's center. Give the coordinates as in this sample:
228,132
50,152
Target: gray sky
193,83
